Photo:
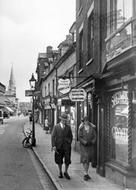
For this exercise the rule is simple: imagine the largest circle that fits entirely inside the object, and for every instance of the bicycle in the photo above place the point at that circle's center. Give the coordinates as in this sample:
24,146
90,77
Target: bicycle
27,141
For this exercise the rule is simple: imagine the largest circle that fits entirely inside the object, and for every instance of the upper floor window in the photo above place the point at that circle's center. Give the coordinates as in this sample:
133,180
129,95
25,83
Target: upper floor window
53,87
118,12
71,76
124,11
44,91
91,36
81,49
79,7
80,3
48,88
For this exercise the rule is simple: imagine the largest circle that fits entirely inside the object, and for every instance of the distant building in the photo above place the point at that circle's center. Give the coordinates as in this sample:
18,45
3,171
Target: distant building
2,91
2,88
24,107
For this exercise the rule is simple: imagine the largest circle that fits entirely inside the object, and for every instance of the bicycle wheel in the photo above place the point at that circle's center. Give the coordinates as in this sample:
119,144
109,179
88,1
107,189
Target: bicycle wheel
26,143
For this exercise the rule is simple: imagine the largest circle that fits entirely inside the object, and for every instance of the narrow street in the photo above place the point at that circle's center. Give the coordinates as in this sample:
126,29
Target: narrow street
18,167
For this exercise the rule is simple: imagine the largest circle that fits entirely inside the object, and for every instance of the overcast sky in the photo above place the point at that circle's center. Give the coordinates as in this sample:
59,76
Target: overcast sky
27,27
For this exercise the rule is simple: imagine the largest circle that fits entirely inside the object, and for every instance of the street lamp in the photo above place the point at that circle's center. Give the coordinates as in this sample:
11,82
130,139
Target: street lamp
32,85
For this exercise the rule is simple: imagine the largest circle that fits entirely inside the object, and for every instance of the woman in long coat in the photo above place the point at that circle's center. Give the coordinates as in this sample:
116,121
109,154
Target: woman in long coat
87,137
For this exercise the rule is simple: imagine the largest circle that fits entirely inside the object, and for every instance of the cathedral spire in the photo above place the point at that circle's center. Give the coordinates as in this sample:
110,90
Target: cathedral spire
12,75
11,87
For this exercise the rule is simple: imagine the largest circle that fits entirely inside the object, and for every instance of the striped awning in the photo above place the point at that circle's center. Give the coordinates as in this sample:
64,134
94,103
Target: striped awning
9,109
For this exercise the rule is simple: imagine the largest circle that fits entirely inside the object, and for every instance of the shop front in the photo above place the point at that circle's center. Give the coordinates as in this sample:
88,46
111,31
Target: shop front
120,134
119,78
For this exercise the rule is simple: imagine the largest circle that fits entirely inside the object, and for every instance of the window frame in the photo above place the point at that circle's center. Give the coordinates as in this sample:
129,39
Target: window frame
81,49
90,42
112,18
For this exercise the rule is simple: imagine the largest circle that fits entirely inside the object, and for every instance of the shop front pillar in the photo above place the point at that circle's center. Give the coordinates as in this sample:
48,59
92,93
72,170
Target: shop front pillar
130,128
100,138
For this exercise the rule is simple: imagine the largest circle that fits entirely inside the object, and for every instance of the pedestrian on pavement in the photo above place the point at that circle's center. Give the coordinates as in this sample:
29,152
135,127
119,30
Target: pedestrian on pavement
30,117
61,139
46,125
82,122
87,137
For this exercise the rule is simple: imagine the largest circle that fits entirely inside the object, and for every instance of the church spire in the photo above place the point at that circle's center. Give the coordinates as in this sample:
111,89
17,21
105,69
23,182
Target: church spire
11,87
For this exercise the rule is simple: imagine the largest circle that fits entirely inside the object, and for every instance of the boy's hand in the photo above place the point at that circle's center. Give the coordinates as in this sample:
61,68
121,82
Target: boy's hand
53,148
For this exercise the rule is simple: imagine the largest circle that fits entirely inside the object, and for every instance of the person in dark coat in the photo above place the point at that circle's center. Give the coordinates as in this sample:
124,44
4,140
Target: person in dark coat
87,137
61,139
30,117
46,125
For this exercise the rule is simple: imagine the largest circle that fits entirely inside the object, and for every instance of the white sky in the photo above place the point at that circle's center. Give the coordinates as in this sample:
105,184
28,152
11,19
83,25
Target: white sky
27,27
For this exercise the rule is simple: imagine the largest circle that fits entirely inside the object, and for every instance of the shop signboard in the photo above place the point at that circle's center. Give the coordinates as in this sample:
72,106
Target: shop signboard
64,85
77,95
28,92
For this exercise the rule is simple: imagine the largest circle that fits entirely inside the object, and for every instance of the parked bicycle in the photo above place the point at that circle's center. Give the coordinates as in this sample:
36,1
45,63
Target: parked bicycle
27,141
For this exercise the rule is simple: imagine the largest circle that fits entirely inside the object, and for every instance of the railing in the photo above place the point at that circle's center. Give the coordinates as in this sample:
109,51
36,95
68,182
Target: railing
121,40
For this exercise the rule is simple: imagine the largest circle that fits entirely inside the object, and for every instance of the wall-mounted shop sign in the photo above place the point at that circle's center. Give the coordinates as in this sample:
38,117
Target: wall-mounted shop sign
64,86
28,93
77,95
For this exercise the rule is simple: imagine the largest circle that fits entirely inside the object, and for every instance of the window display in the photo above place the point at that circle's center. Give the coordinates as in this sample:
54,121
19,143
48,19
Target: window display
119,126
134,129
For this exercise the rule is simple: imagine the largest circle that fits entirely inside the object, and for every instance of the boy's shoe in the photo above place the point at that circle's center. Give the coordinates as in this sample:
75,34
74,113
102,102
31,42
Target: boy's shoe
66,175
60,175
86,177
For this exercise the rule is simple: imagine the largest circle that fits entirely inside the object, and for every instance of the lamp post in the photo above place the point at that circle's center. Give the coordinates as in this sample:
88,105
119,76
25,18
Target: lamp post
32,85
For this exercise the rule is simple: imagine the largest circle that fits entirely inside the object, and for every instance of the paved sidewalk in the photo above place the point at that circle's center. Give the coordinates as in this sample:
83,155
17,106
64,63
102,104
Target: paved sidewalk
46,157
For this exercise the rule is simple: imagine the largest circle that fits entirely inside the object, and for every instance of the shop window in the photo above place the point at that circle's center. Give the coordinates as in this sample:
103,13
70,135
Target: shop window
89,105
81,105
134,129
85,108
119,126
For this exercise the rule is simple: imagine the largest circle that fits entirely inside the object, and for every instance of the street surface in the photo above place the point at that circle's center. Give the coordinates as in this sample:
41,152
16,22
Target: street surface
19,169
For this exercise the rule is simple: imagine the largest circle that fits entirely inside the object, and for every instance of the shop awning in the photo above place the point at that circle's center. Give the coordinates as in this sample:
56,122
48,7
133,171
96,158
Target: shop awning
9,109
2,102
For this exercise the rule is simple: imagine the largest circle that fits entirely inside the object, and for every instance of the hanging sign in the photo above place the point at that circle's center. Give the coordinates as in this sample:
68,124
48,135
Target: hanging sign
77,95
64,86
